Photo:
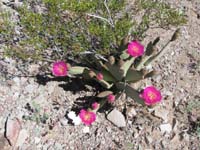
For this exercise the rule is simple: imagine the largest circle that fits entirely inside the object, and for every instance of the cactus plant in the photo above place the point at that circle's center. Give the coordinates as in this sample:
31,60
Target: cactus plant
119,71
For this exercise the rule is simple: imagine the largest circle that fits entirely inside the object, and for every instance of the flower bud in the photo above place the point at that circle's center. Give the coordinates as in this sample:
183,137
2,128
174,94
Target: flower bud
95,105
91,74
111,60
99,76
111,98
68,66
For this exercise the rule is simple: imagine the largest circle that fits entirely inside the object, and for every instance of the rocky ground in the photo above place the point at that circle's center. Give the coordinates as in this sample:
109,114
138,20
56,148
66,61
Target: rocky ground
36,107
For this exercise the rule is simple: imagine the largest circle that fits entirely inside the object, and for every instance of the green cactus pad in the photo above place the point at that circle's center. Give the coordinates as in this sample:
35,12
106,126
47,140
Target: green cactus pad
134,76
76,70
104,94
130,92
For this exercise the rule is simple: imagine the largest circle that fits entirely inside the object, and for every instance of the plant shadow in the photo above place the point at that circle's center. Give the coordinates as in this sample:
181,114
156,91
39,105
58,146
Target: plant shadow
68,84
76,85
87,101
44,79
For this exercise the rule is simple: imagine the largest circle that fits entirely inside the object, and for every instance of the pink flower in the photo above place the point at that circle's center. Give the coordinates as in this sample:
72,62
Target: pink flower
111,98
87,117
99,76
151,95
60,69
135,49
95,105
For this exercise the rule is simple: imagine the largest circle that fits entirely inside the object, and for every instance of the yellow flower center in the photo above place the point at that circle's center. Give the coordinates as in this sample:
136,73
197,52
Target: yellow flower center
151,95
87,117
135,49
61,69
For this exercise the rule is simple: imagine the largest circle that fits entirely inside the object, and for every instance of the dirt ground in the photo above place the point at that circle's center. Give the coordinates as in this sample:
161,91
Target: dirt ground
169,125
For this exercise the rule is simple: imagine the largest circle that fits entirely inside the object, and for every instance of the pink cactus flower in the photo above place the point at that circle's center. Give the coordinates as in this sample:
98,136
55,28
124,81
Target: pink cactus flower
135,49
60,69
151,95
95,105
87,117
111,98
99,76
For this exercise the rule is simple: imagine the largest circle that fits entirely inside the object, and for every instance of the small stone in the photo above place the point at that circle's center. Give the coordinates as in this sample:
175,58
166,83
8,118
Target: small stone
149,67
172,53
168,93
175,139
17,4
58,146
148,140
185,136
30,88
34,68
158,78
131,112
37,140
4,143
64,121
17,80
23,135
164,144
161,113
71,114
86,129
130,122
13,127
117,118
77,121
108,129
166,128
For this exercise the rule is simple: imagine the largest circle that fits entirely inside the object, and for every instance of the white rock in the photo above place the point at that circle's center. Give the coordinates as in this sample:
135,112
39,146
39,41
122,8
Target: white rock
168,93
117,118
17,80
130,122
166,128
148,139
186,136
149,67
158,78
33,68
16,95
23,135
131,112
71,115
30,88
161,113
58,146
86,129
13,127
64,121
77,120
175,139
18,4
37,140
